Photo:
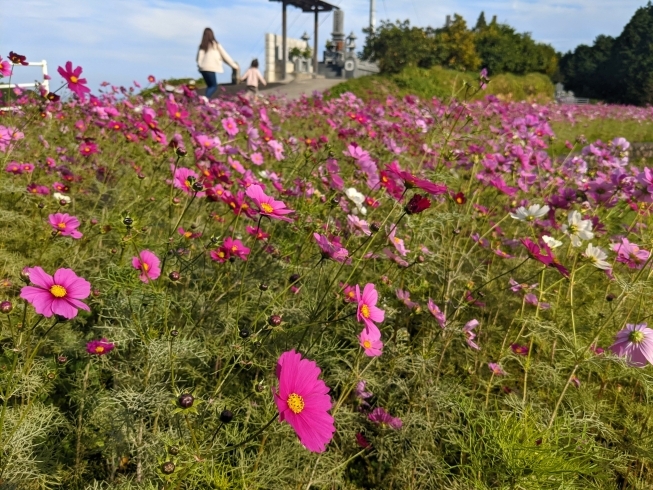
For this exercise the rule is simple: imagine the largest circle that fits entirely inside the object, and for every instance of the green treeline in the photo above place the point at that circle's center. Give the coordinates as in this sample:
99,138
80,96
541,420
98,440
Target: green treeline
618,70
497,47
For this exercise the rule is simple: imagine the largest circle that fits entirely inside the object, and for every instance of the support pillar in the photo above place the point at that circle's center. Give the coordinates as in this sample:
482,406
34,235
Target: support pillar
284,41
315,44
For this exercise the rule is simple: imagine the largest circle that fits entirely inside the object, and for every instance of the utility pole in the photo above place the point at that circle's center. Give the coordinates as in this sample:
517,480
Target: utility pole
372,16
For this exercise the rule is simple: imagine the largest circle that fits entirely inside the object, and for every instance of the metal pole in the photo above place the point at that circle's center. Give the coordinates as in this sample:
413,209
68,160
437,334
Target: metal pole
284,41
315,45
372,15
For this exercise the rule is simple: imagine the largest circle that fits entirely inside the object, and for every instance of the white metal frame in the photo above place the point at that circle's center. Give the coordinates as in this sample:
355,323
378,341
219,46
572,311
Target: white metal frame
46,83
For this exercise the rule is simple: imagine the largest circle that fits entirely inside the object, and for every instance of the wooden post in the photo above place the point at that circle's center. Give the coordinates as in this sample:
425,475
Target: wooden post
284,41
315,44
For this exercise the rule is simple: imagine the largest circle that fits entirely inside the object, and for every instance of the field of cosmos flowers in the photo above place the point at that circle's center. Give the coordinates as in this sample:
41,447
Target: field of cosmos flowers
326,293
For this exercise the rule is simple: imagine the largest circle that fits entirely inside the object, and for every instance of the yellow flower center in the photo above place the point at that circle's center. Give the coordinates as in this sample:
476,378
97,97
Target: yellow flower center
367,344
267,208
145,267
365,311
73,79
99,349
636,337
58,291
234,249
177,114
295,403
188,234
61,226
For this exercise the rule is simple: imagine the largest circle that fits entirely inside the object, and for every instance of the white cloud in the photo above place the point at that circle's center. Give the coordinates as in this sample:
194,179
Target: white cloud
123,40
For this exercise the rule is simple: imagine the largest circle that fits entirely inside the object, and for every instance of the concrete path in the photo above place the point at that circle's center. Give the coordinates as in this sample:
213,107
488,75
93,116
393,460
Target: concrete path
295,89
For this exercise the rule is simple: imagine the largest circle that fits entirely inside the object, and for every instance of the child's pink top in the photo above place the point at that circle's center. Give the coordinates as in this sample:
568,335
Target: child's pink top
252,76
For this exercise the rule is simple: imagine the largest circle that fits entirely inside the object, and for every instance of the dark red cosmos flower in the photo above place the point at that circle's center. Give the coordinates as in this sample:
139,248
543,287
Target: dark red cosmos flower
17,59
417,204
52,97
459,198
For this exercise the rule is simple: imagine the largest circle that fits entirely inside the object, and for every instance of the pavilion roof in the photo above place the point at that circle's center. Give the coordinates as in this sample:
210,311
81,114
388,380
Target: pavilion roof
310,5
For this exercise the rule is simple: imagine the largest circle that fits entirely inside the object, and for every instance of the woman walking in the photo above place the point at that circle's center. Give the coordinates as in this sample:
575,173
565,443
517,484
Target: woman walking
210,56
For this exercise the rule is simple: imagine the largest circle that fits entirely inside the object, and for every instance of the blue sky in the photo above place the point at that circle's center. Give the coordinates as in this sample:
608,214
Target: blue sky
124,40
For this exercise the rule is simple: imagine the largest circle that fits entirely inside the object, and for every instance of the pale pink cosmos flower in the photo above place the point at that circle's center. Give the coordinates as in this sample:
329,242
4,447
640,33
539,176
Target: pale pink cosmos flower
397,242
303,401
256,158
60,294
496,369
267,205
230,126
635,343
437,313
630,254
332,249
367,311
470,335
65,225
370,341
404,297
359,224
149,265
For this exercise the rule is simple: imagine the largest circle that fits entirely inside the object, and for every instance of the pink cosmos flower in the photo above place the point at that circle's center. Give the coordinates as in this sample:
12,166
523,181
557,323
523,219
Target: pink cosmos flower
183,179
99,347
470,335
149,265
437,313
303,401
404,297
257,233
188,234
371,342
380,417
236,248
630,254
267,205
5,68
635,343
256,158
521,350
56,295
359,224
75,84
14,168
397,242
367,311
349,293
332,249
220,255
496,369
65,225
34,188
230,126
88,148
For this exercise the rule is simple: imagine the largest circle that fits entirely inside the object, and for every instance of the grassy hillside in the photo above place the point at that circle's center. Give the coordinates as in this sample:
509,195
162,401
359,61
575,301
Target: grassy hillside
441,82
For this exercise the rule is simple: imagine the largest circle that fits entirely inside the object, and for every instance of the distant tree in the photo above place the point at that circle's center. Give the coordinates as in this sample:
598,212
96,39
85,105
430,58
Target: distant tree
630,68
456,43
584,70
481,23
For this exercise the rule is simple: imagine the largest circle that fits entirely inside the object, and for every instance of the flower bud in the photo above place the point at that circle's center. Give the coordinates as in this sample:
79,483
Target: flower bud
24,275
375,227
63,202
226,416
174,450
181,151
263,286
294,278
174,276
94,221
197,186
244,333
417,204
174,333
186,400
61,359
168,468
6,307
274,320
95,292
128,221
41,205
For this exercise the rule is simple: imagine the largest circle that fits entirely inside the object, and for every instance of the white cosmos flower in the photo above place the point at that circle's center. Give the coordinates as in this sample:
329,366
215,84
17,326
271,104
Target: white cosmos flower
578,228
61,197
597,256
551,242
533,212
357,198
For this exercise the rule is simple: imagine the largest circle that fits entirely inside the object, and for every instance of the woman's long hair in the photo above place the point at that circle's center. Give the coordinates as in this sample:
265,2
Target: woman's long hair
208,39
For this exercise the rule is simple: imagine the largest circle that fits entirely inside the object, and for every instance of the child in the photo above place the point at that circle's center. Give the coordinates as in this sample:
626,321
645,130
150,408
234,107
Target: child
251,77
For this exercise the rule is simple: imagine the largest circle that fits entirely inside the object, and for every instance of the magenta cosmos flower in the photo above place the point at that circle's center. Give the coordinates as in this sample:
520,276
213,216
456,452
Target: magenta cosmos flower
367,311
65,225
332,249
370,341
380,417
75,84
303,401
58,295
267,205
99,347
149,265
635,343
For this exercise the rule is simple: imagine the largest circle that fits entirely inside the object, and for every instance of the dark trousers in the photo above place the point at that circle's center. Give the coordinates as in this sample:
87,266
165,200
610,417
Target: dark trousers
211,82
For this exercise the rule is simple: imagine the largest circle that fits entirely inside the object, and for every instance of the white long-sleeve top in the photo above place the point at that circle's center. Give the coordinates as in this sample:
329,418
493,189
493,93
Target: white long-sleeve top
211,59
252,77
